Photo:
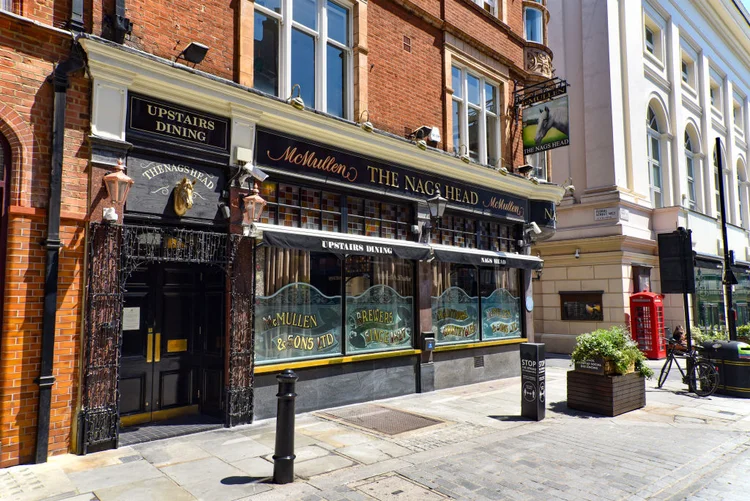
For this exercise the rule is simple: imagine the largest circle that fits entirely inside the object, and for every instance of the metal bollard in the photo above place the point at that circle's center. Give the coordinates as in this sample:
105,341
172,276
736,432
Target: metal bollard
283,457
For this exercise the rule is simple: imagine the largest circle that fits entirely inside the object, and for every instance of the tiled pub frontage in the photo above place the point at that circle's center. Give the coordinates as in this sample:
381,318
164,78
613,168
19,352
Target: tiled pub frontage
257,237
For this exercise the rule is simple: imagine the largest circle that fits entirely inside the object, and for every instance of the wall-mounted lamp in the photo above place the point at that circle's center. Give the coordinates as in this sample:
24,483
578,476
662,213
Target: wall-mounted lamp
194,53
118,183
296,101
538,271
465,158
226,212
436,205
366,125
254,205
578,254
525,170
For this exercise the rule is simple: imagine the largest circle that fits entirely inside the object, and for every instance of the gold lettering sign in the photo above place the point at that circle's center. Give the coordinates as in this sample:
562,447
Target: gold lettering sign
309,160
177,345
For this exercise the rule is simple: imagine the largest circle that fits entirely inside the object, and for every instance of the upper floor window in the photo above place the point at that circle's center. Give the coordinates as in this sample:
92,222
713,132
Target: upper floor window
652,39
654,158
305,43
739,119
714,92
650,43
539,162
534,24
690,164
488,5
476,122
6,5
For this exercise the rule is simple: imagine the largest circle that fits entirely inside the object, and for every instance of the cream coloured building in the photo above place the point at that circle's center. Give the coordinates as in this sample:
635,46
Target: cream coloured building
652,85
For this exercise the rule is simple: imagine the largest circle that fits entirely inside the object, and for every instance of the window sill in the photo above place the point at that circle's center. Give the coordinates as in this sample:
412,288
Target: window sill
655,60
319,362
480,344
689,90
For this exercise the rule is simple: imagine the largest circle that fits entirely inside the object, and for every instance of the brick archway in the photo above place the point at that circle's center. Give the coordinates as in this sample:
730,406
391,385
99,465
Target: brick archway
21,142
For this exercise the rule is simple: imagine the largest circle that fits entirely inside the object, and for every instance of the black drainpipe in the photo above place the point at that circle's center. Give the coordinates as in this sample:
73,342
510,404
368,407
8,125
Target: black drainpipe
60,82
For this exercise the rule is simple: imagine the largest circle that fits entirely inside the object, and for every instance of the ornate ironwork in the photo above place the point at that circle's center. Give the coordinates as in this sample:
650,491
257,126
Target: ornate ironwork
242,333
114,253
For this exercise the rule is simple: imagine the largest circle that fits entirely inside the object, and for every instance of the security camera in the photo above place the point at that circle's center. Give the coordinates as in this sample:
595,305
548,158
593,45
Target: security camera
259,174
570,189
578,254
533,227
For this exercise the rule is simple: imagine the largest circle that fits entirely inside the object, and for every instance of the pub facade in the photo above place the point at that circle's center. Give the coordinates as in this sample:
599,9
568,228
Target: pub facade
241,223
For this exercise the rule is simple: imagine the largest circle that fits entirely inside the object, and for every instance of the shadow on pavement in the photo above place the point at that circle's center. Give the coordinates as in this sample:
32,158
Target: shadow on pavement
510,418
562,408
241,480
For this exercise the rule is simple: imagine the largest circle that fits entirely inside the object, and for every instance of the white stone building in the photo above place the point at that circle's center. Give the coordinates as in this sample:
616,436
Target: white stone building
653,83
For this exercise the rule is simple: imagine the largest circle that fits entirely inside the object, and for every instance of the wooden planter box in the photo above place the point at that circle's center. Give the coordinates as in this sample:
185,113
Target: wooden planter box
607,395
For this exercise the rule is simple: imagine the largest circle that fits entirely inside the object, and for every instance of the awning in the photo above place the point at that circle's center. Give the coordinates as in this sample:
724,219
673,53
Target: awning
478,257
341,244
708,261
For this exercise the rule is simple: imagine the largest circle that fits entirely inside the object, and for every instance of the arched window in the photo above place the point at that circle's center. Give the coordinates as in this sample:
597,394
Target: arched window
654,158
4,204
717,193
690,164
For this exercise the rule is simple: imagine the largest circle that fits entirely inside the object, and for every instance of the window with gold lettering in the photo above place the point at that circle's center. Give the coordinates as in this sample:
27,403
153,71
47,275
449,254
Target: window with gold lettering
379,304
297,305
455,303
500,295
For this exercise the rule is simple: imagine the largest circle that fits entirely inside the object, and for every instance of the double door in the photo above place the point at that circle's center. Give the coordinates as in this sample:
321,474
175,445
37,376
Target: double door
173,343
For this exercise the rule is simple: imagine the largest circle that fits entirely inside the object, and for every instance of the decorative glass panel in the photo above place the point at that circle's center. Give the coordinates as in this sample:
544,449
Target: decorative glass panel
303,65
379,304
501,303
455,305
266,54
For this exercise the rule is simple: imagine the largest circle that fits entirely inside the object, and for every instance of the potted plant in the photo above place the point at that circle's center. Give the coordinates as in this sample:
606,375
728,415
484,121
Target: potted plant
610,373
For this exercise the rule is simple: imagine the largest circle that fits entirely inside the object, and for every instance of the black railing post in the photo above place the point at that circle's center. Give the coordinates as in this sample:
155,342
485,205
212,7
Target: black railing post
283,457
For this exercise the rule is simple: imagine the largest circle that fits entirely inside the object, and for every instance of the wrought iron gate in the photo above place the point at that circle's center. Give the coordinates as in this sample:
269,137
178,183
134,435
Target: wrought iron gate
115,251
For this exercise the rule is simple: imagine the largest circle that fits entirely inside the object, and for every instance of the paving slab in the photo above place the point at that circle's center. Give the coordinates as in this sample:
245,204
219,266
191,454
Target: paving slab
167,452
318,466
110,476
191,472
158,489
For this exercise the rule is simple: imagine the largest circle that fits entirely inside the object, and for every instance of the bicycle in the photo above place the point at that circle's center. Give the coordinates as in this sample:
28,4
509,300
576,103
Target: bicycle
703,378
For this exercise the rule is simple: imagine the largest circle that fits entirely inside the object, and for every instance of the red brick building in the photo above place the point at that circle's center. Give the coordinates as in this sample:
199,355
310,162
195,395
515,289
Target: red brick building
177,301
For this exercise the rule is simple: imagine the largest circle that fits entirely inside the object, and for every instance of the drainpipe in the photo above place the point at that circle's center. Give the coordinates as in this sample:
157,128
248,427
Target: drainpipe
60,81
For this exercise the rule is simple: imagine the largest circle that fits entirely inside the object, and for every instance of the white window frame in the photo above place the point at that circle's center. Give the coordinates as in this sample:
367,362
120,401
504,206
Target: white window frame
525,30
464,105
653,51
6,5
540,163
653,163
492,4
741,188
286,24
738,111
716,93
690,166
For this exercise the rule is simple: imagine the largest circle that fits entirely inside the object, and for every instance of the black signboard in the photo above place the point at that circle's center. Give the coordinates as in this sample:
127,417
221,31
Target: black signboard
155,187
314,161
343,246
593,366
461,255
543,213
167,121
533,384
676,262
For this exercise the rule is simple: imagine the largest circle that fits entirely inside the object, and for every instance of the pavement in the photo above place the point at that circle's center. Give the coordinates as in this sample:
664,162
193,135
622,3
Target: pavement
474,446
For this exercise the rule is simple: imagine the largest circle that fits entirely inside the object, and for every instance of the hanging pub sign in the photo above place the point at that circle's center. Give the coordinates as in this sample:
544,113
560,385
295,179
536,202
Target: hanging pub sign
174,188
167,121
313,161
546,126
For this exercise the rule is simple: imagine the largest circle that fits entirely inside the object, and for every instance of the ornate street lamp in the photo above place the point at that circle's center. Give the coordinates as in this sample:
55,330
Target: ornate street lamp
254,205
118,183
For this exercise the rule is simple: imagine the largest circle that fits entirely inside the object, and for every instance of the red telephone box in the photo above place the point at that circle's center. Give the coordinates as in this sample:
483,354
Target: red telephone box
647,324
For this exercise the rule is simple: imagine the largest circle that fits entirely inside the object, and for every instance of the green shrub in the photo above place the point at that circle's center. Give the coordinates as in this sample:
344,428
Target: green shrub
705,333
614,343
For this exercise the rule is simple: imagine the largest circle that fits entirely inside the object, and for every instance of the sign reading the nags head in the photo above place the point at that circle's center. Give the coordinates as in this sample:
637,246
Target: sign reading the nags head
312,160
171,122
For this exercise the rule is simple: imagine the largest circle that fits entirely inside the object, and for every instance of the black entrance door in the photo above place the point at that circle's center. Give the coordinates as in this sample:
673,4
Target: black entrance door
173,343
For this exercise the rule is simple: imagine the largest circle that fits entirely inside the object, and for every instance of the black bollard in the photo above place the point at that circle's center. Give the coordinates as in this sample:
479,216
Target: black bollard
283,457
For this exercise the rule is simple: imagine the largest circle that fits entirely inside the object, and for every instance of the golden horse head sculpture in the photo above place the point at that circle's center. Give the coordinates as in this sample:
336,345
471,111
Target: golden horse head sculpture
183,196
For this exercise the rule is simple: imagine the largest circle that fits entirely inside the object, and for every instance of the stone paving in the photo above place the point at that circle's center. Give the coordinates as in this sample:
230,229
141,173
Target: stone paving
678,447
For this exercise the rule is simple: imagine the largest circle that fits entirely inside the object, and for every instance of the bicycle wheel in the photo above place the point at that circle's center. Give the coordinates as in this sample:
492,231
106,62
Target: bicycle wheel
706,378
664,373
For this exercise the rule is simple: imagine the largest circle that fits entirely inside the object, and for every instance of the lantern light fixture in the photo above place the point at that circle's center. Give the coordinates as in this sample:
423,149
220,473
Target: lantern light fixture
254,205
118,183
437,205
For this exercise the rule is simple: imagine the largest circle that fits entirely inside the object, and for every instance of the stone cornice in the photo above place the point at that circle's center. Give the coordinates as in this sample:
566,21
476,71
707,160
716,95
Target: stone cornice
167,80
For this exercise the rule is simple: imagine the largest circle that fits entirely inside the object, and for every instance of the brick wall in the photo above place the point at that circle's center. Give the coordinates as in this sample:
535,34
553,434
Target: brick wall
166,27
27,57
405,88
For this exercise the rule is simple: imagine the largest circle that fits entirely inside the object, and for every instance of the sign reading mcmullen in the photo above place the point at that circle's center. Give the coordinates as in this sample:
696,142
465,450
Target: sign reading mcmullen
295,155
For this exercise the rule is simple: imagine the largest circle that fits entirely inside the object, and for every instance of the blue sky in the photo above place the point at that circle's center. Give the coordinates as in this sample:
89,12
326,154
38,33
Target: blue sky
746,3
